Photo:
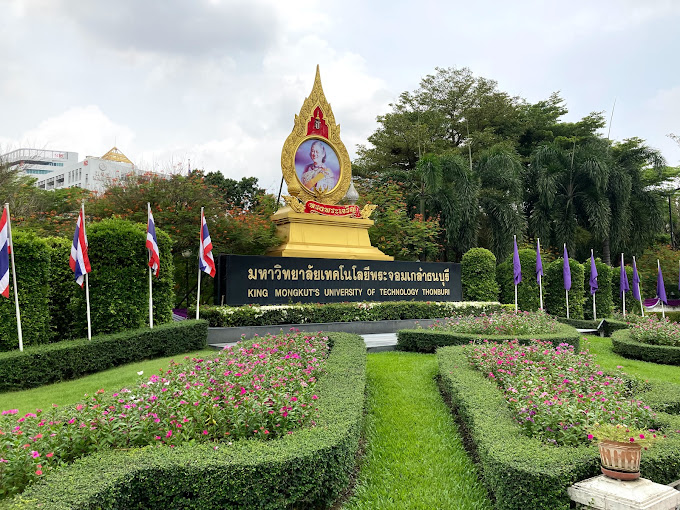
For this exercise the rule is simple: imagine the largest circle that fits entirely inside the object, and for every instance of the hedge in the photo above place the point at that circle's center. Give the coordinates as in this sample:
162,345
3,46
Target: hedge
478,275
580,323
603,297
119,288
553,287
45,364
625,346
307,469
528,298
32,258
522,472
611,325
429,340
230,316
62,290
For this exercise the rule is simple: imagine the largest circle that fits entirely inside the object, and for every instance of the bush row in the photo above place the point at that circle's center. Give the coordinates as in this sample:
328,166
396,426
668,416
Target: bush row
624,345
228,316
521,472
427,340
45,364
53,306
307,469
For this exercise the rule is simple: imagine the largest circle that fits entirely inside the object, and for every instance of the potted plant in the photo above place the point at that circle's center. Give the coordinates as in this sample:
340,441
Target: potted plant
621,448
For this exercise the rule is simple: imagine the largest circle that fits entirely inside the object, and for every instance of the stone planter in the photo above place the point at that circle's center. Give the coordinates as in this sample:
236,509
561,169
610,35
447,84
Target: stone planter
620,460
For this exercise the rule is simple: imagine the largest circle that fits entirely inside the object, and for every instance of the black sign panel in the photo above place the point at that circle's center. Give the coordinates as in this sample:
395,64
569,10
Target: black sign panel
243,280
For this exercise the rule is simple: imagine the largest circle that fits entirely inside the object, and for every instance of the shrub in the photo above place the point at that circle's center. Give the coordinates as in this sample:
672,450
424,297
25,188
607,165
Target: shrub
624,345
46,364
553,286
306,469
429,340
32,259
231,316
522,472
501,323
478,275
603,297
527,291
62,290
119,297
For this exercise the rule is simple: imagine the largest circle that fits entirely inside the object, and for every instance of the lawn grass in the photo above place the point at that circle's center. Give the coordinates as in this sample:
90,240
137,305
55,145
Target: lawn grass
414,456
602,348
70,392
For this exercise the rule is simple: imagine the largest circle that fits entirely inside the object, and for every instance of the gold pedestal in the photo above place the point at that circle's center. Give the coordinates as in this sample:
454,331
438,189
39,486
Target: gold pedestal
323,237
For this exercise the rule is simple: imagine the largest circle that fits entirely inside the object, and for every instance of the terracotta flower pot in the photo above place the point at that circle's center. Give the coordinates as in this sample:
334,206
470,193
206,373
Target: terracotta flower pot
620,460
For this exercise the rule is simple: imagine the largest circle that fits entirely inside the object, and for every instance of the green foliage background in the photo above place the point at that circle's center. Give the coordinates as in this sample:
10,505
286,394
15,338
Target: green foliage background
554,298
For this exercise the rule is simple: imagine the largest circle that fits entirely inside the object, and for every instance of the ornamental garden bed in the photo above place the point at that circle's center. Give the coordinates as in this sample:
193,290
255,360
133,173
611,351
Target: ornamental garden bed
653,339
296,314
308,463
520,470
523,326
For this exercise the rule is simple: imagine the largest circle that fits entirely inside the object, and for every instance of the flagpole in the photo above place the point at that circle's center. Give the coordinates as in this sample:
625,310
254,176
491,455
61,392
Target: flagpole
87,285
642,308
623,292
594,309
566,291
14,279
540,280
663,310
148,215
198,291
515,237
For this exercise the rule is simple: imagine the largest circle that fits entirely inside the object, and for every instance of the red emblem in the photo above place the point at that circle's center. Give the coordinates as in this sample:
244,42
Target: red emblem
317,125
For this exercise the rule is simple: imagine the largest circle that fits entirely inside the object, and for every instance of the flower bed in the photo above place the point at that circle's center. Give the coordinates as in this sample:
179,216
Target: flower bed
554,394
229,316
524,327
264,388
46,364
656,331
309,467
624,345
524,472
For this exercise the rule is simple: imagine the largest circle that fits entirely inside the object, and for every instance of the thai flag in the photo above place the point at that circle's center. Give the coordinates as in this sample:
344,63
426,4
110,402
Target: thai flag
152,245
79,261
4,254
206,262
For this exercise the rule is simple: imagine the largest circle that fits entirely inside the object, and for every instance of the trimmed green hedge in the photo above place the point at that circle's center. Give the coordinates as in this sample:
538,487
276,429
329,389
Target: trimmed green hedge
611,325
553,287
580,323
478,275
522,472
119,281
230,316
429,340
62,290
46,364
32,258
307,469
527,291
625,346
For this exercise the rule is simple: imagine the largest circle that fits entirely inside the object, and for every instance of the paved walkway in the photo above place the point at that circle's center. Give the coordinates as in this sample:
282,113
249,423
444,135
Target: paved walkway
374,342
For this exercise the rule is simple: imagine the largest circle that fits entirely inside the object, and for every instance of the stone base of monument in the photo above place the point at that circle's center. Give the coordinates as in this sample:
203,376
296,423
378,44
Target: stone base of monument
323,237
602,492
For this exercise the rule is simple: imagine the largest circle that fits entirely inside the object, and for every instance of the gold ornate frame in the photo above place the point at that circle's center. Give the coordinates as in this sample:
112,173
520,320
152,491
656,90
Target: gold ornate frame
301,133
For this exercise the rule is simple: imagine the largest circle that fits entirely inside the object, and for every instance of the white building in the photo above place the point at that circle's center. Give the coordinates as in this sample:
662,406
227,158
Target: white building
91,173
36,162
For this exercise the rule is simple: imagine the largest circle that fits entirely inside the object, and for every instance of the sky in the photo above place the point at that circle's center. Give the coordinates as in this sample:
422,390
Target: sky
216,84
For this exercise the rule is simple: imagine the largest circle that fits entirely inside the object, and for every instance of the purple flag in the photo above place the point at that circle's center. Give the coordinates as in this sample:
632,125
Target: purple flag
661,288
636,282
593,274
516,266
566,270
623,279
539,262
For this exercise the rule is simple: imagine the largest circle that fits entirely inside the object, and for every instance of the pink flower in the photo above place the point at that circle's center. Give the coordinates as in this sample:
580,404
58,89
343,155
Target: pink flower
38,472
590,437
35,454
169,434
205,432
